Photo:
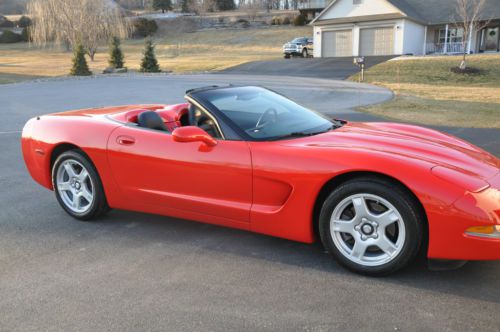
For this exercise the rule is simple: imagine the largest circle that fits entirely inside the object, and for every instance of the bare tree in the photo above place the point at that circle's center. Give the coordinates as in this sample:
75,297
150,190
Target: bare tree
470,17
70,22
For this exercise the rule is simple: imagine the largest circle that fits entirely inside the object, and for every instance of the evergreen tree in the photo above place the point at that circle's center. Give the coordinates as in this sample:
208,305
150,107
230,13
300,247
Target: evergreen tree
80,67
185,6
225,4
115,53
162,4
149,64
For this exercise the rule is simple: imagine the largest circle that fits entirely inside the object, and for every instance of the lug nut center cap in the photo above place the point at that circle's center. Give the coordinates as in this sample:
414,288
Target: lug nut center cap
367,229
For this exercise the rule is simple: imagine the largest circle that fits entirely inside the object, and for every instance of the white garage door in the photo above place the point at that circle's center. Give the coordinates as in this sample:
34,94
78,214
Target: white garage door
376,41
336,43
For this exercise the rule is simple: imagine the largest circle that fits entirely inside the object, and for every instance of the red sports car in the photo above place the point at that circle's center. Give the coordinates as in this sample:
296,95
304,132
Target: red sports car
375,194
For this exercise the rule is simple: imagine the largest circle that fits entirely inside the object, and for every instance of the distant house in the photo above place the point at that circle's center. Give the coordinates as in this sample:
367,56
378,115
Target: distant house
395,27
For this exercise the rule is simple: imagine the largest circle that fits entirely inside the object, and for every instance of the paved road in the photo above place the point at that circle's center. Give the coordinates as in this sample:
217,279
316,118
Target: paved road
133,271
330,68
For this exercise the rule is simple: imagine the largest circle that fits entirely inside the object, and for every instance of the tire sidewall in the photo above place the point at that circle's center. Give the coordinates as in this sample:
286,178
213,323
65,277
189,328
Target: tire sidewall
99,197
399,199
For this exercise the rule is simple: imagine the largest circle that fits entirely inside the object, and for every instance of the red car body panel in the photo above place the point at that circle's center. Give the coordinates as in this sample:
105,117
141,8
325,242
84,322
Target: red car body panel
272,187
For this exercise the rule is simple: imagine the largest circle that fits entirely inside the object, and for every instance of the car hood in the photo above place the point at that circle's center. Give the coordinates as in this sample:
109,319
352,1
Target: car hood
406,141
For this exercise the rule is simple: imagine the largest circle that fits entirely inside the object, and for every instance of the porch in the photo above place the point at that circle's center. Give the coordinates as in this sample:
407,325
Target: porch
449,39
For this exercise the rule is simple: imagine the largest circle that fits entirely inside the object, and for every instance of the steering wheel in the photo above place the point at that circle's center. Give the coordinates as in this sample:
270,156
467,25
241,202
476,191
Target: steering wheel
262,122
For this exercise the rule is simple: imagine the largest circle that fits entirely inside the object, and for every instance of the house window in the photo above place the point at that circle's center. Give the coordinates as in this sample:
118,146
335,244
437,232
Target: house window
357,2
454,35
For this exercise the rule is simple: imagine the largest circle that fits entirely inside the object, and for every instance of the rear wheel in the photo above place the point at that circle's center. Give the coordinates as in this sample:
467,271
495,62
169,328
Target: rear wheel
78,187
371,226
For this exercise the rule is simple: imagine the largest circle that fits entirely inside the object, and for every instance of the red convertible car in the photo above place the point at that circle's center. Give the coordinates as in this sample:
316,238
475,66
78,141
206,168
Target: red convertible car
375,194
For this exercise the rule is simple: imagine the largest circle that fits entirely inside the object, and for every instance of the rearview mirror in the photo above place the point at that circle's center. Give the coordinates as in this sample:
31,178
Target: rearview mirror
193,134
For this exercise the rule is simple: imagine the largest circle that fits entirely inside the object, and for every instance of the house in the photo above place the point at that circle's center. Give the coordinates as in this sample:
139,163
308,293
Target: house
311,8
396,27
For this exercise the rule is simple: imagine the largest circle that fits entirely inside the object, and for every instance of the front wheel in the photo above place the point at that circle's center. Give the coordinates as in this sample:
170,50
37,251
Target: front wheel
305,54
78,187
371,226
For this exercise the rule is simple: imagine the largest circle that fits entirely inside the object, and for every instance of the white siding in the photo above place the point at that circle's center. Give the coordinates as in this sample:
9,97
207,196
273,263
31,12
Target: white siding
413,37
346,8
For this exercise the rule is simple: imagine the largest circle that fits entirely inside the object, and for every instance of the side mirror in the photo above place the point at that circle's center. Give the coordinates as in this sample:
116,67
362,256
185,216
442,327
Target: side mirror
193,134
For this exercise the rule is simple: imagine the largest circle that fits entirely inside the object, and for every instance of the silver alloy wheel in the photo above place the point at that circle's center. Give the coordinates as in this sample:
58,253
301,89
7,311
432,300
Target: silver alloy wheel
367,229
75,186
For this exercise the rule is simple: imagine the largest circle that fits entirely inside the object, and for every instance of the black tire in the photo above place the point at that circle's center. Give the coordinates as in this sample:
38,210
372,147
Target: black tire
305,54
287,56
99,206
413,220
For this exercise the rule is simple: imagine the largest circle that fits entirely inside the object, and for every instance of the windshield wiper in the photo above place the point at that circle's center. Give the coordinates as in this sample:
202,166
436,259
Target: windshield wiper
304,133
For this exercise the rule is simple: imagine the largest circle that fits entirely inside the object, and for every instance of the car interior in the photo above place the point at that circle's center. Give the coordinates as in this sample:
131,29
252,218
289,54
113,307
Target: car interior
168,118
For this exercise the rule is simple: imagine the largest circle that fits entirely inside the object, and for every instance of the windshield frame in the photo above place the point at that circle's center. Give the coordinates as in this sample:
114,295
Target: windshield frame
197,96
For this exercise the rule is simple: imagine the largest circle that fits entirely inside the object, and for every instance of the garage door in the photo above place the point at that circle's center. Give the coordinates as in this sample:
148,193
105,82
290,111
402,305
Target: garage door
336,43
376,41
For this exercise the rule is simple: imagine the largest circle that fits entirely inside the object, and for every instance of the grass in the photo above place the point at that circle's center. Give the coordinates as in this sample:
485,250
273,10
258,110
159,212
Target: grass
427,92
180,53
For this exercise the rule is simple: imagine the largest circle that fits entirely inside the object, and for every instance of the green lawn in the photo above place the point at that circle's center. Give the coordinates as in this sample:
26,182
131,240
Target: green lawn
426,91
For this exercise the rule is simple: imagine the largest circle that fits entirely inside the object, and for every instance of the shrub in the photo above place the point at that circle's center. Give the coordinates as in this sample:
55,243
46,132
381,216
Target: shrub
115,53
276,20
6,23
299,20
25,35
8,37
149,64
80,67
286,20
24,22
144,27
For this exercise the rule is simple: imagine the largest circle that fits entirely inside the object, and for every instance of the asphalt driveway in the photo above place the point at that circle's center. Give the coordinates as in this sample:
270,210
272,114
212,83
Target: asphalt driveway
329,68
132,271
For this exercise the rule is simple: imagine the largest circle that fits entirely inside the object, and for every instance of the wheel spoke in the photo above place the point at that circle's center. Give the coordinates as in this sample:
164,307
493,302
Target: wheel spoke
386,245
69,169
64,186
359,249
387,218
342,226
83,175
360,207
87,194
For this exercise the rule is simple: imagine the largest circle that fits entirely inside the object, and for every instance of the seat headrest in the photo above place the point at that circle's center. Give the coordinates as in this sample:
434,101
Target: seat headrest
151,120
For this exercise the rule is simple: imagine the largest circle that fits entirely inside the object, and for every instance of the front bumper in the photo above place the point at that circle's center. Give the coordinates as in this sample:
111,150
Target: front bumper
292,50
453,235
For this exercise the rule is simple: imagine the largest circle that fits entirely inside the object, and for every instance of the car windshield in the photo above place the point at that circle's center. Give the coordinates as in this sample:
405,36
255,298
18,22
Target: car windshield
298,40
266,115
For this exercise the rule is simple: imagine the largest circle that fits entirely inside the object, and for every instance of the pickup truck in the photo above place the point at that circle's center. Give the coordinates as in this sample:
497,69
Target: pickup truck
301,46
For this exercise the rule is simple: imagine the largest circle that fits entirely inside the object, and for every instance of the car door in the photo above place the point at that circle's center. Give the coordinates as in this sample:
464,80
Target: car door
151,167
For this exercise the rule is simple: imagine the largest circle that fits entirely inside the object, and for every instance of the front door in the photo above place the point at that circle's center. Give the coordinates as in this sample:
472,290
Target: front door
491,39
149,166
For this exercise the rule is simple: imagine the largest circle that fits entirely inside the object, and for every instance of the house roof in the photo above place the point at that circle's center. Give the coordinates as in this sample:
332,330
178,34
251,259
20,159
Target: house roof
430,11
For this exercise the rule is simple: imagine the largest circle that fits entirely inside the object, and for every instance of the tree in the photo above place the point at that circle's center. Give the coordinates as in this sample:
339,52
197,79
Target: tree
115,53
69,22
185,6
149,64
162,4
80,67
470,17
225,4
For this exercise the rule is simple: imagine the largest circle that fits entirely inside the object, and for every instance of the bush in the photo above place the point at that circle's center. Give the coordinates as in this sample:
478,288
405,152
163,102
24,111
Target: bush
115,53
149,64
286,20
276,20
6,23
299,20
25,35
144,27
24,22
8,37
80,67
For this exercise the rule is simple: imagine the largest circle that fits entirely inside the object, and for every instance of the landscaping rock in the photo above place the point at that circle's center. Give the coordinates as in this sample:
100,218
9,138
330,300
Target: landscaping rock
113,70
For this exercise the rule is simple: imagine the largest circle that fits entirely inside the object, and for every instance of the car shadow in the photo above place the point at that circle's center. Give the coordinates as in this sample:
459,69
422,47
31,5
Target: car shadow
475,280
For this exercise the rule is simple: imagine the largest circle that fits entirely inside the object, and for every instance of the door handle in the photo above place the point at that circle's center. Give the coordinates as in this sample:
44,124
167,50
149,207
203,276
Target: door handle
125,140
